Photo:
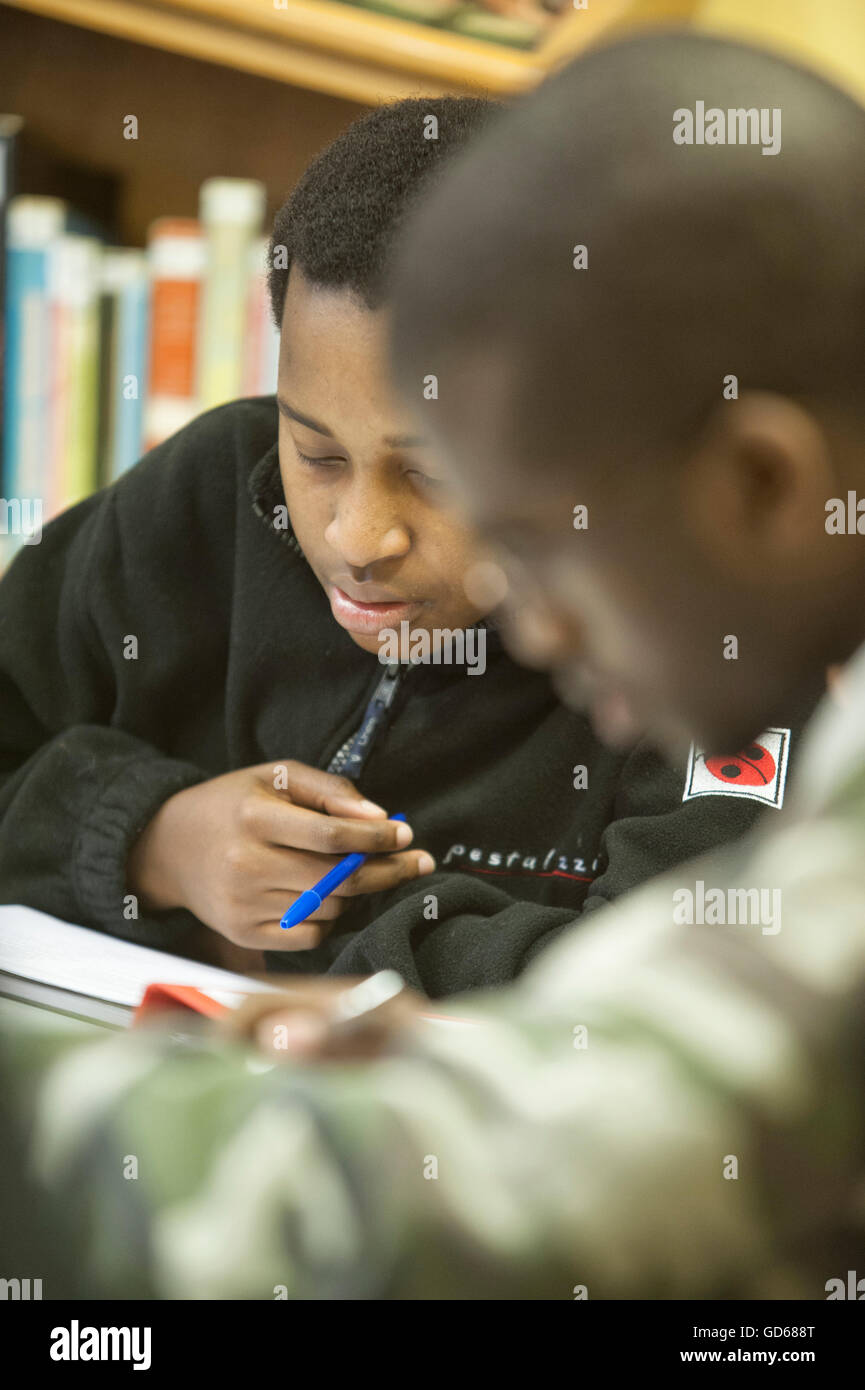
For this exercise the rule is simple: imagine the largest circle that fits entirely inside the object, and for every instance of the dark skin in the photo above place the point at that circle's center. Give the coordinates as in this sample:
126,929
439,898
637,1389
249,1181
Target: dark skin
631,613
585,610
605,386
366,500
295,1022
237,851
745,509
704,262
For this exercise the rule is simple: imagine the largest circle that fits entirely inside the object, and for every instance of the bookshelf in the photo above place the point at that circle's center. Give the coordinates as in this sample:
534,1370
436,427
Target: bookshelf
345,52
358,56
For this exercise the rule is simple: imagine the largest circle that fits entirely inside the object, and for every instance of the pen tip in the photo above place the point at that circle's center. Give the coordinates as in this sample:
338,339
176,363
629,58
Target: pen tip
299,911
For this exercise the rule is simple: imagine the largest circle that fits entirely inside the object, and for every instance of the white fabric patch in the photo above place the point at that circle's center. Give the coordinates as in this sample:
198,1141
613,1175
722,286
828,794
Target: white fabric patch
758,771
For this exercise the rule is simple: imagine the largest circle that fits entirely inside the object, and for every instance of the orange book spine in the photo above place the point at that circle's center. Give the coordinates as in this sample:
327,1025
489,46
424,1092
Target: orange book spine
176,258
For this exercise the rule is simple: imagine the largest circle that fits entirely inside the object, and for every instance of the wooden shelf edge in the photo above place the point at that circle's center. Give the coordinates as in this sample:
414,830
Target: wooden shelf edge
346,52
432,64
354,33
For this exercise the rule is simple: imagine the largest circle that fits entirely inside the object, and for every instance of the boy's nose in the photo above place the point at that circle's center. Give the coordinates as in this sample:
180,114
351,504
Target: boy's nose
364,538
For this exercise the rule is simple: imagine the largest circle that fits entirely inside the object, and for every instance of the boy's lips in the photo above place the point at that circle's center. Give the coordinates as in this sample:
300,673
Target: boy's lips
367,618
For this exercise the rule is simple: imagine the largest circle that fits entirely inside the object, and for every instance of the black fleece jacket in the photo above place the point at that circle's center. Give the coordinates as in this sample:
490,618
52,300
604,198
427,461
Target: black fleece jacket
236,661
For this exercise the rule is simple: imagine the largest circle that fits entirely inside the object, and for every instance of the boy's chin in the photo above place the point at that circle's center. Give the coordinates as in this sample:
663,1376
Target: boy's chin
381,643
367,641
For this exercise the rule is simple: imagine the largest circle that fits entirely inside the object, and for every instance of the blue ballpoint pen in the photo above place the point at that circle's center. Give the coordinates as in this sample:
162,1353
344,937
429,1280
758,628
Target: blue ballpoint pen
312,898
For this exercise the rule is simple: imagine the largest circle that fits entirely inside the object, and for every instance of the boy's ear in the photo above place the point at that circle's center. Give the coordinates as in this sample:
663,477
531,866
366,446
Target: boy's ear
754,490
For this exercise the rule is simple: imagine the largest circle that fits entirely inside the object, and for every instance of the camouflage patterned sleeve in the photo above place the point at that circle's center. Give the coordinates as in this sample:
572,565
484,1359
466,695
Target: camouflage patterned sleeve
655,1110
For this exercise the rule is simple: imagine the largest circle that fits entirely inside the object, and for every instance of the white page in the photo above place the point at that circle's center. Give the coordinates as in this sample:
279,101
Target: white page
42,948
37,947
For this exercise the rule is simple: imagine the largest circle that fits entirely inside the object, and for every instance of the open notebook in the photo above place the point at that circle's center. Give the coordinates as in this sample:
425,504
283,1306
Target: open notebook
90,975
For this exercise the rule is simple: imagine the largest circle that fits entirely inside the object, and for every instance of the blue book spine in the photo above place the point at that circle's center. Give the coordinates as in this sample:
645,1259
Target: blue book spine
132,308
29,359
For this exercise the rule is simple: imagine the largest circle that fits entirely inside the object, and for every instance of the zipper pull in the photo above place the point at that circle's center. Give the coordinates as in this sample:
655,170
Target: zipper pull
387,686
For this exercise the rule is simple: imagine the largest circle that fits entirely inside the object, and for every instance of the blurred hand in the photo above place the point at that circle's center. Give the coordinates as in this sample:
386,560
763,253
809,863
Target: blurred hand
301,1021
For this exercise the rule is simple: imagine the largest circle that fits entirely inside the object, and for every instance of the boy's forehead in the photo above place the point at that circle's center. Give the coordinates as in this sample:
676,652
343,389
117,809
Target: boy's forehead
329,329
309,305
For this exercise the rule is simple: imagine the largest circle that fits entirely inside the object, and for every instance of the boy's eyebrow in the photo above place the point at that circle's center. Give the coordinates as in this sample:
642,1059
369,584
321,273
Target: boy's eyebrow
394,441
293,414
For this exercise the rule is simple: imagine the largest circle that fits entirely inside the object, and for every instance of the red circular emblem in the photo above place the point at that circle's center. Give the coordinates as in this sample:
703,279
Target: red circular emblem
753,767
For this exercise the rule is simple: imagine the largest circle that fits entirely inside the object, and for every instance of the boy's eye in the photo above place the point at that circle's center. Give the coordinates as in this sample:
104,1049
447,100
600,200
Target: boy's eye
423,479
315,463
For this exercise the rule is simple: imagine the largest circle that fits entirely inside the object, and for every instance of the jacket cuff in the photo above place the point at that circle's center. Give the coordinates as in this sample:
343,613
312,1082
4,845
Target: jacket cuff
122,809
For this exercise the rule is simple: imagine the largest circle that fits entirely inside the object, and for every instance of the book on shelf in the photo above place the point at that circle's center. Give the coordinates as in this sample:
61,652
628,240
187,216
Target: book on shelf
261,357
74,316
10,127
33,226
175,250
107,350
518,24
231,213
123,304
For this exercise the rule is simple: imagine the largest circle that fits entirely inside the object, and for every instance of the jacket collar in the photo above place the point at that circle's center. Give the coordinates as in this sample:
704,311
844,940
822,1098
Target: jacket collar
268,500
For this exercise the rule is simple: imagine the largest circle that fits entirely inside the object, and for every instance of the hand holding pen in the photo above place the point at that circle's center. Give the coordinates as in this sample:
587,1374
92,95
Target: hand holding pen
311,900
237,850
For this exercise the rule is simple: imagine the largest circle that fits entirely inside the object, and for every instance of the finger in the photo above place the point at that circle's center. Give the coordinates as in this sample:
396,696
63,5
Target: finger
287,994
299,1035
385,871
318,790
256,868
318,996
271,868
270,936
273,903
282,823
292,872
311,1032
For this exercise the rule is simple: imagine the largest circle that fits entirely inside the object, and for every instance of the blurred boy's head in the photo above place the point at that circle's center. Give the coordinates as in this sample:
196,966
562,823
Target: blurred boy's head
695,379
365,498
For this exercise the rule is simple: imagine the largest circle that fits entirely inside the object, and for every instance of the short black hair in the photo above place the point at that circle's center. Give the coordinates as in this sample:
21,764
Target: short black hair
339,223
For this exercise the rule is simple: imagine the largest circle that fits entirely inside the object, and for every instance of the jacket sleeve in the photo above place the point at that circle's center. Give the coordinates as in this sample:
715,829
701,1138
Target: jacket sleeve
74,790
452,933
651,1112
482,936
